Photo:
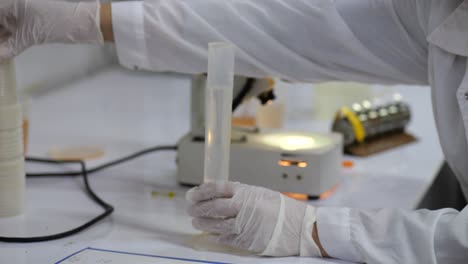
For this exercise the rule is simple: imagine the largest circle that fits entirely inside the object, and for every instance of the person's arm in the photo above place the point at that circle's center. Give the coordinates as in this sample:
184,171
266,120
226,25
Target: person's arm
255,219
303,40
268,223
297,40
394,235
25,23
106,22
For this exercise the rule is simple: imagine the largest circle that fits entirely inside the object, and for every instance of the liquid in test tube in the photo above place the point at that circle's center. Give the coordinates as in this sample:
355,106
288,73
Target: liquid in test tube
218,111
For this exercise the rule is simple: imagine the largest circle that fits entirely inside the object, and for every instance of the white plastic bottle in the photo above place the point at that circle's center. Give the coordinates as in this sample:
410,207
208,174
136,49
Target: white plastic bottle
12,173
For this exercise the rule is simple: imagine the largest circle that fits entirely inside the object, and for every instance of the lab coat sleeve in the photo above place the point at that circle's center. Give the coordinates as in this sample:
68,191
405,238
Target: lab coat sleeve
300,40
394,236
129,34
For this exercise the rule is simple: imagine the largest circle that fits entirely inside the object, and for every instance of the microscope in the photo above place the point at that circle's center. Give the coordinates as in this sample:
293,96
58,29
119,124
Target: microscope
287,161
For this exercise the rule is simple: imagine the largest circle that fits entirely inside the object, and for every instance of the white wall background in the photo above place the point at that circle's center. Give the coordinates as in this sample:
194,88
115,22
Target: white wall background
51,66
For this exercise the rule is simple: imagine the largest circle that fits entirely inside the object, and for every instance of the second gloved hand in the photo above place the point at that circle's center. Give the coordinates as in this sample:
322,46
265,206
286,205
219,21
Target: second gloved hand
253,218
24,23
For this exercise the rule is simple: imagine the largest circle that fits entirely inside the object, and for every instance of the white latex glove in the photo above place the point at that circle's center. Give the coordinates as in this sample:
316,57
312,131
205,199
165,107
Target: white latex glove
253,218
24,23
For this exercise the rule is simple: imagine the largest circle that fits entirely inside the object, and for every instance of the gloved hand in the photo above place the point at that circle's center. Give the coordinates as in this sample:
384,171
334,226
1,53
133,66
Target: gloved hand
24,23
253,218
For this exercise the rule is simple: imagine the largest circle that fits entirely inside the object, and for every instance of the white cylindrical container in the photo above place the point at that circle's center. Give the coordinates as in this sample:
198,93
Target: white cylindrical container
218,111
12,173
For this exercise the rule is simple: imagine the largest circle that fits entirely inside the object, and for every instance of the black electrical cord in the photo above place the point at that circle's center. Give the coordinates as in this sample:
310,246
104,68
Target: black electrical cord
108,209
248,86
103,166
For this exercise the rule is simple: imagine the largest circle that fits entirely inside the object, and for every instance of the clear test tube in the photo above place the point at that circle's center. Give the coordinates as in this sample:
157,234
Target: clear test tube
218,111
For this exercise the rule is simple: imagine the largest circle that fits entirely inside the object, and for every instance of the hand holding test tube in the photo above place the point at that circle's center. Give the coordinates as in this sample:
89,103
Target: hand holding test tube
218,111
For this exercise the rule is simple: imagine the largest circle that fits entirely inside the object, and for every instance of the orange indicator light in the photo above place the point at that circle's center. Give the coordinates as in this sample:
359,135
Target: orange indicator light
284,163
289,163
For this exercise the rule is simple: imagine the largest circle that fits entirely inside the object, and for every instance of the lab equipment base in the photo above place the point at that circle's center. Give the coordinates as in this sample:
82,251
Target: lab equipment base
255,163
380,144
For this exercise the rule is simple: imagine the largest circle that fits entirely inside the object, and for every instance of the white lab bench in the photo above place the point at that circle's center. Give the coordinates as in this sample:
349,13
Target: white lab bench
123,112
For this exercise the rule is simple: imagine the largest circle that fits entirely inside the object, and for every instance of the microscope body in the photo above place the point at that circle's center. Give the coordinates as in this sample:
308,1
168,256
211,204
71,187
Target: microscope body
293,162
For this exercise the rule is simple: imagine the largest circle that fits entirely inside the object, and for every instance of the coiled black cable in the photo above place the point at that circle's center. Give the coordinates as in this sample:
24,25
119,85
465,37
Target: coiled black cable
108,209
104,166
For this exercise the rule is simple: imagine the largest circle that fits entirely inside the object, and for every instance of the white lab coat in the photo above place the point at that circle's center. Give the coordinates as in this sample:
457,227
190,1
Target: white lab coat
378,41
